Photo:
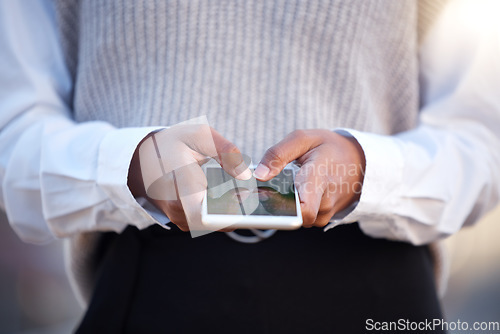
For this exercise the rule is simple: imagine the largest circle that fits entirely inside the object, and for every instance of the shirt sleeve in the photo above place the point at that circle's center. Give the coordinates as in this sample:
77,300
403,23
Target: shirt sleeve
57,178
427,183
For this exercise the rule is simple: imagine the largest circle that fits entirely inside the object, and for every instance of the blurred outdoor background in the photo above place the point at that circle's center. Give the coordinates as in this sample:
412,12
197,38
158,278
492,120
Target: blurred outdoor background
35,296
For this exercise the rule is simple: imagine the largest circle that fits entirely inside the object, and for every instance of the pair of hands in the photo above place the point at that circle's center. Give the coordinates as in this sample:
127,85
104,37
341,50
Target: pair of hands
329,180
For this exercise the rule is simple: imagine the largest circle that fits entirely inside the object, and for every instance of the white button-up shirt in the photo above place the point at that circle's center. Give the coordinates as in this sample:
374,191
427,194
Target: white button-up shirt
59,178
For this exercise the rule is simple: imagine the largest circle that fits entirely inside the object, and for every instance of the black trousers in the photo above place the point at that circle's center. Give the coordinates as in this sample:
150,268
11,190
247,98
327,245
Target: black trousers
303,281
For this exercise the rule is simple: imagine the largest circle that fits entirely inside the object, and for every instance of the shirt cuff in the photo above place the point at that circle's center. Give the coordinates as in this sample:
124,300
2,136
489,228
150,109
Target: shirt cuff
381,185
115,154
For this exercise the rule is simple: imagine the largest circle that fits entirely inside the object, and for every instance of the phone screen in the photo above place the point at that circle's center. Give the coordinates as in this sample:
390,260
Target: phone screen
229,196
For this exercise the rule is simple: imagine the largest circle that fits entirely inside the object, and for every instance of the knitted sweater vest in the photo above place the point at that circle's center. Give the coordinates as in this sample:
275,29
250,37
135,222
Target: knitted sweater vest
258,69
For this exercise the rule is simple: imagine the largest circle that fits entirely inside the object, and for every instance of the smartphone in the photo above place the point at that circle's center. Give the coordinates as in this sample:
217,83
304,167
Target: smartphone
233,203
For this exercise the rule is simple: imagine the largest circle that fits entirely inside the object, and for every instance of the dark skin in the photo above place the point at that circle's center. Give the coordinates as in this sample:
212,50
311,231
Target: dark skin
329,180
192,151
323,191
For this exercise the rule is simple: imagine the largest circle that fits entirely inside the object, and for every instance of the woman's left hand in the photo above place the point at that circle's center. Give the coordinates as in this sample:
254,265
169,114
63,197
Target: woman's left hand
331,171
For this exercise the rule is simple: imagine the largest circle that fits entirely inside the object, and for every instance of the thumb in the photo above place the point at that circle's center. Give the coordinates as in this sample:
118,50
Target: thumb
230,157
292,147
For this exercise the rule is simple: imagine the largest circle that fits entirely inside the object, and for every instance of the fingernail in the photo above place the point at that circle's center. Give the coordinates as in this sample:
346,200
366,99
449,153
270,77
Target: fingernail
261,171
242,172
244,194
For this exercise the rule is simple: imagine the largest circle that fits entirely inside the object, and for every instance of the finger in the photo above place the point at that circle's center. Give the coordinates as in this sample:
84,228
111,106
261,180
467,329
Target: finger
175,212
171,205
309,215
293,146
326,208
324,218
203,161
328,199
310,187
203,141
230,157
191,184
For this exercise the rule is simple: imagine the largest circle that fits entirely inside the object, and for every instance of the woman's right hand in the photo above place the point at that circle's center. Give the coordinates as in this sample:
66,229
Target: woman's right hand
166,169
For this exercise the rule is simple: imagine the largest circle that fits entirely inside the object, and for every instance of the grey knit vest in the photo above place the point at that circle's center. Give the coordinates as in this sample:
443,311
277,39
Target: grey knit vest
258,68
